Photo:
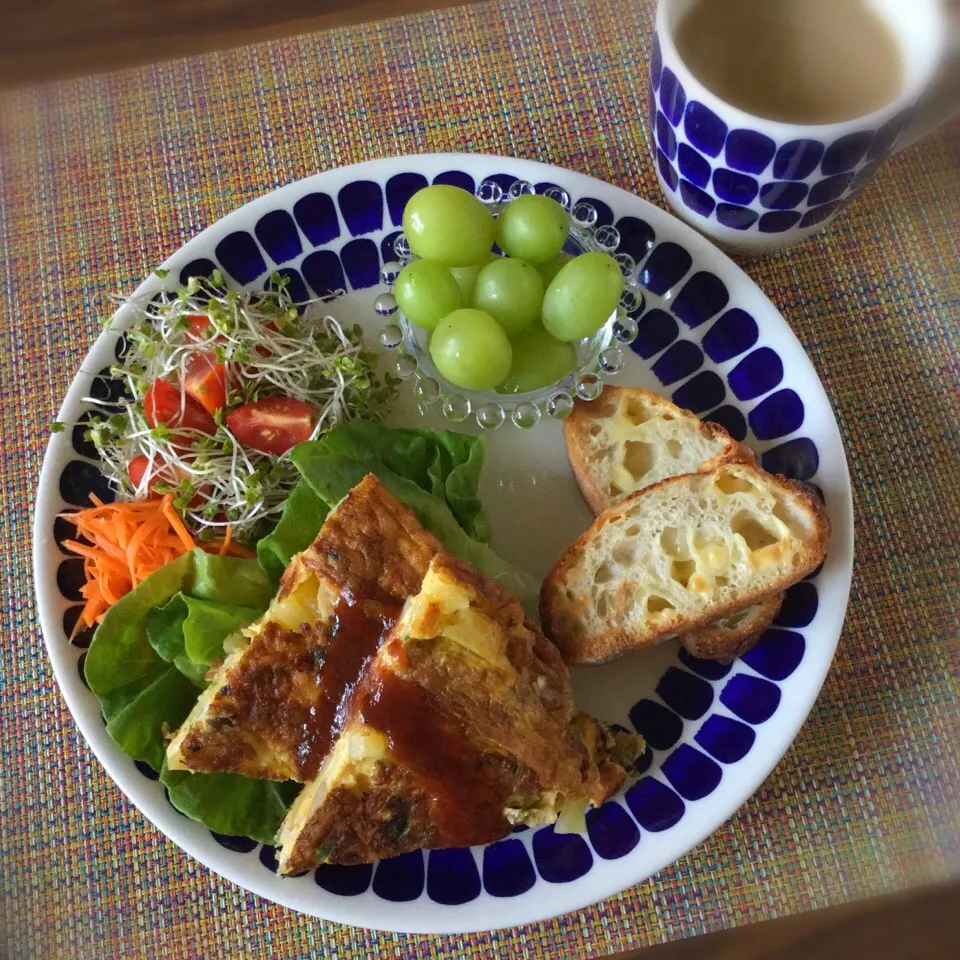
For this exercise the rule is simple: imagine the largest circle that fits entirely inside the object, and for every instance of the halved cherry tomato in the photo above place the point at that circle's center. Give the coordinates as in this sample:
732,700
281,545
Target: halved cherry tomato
162,405
136,468
205,381
274,425
169,474
199,324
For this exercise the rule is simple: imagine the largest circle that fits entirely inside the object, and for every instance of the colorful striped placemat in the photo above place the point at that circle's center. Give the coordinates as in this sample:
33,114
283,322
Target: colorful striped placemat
102,178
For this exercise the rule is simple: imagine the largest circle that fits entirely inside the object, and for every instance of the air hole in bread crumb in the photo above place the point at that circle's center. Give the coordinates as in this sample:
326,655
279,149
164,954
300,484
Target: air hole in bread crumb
635,411
730,483
624,553
595,430
655,604
738,618
674,448
604,574
670,543
602,605
754,533
682,571
638,458
632,531
796,524
720,581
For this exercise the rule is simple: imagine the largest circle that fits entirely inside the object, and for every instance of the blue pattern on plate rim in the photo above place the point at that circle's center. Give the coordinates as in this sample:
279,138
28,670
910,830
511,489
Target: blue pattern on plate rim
688,319
735,175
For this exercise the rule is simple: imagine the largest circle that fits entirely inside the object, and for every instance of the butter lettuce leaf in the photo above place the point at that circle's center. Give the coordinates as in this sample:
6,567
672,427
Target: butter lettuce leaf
302,518
121,652
445,466
230,804
435,472
147,664
137,712
331,474
189,633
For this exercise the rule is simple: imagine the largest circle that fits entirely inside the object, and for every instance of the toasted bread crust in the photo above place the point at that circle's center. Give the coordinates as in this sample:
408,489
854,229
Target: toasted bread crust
582,452
561,615
717,640
724,644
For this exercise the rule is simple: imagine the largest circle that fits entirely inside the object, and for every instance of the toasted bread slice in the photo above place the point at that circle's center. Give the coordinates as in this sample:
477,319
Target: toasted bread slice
630,439
728,637
679,555
462,727
286,673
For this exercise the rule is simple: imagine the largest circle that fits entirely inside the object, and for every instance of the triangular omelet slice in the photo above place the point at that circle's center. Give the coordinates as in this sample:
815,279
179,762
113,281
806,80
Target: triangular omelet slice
271,711
462,727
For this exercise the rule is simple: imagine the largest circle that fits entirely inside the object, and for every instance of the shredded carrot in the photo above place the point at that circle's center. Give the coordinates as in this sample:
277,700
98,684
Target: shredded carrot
123,543
146,530
228,548
178,528
84,550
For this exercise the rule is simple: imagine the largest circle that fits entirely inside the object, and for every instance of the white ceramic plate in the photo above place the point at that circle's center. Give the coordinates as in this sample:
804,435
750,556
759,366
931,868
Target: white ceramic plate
708,338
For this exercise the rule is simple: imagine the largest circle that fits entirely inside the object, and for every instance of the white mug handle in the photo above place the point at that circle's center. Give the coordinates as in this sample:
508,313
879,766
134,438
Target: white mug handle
942,101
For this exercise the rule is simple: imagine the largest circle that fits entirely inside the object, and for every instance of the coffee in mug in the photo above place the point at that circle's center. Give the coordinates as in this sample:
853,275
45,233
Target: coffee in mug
812,61
768,116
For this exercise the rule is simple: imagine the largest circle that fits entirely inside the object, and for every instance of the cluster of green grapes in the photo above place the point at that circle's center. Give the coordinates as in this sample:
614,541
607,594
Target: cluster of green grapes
506,322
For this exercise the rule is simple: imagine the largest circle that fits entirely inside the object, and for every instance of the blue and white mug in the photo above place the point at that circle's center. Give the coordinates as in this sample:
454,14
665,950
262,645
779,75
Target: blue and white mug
755,185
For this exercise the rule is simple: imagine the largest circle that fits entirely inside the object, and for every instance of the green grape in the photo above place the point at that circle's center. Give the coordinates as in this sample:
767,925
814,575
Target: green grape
553,266
533,228
449,225
471,350
511,291
467,276
538,360
426,292
582,296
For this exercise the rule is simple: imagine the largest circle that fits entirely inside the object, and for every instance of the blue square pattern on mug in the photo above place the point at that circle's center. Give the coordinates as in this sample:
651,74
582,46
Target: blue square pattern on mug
693,166
743,178
702,717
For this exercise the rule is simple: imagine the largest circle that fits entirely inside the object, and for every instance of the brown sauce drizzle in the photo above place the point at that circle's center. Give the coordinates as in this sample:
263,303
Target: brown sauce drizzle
356,633
466,789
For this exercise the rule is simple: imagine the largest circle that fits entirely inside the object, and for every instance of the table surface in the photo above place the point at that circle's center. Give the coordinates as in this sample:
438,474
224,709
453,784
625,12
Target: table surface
61,38
103,177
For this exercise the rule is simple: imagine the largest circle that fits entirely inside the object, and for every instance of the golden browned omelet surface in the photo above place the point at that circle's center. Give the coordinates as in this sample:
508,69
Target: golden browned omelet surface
271,711
371,547
463,726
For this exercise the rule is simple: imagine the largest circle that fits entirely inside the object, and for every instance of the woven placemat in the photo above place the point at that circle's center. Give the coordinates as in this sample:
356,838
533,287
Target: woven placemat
102,178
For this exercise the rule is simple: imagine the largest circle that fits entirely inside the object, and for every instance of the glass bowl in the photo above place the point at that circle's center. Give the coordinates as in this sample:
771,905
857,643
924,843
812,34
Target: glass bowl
598,356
